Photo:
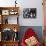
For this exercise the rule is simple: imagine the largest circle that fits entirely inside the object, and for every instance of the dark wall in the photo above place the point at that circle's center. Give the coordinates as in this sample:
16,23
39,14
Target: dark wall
37,29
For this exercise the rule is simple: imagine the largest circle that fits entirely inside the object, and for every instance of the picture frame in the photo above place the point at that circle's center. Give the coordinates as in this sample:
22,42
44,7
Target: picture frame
29,12
13,12
5,12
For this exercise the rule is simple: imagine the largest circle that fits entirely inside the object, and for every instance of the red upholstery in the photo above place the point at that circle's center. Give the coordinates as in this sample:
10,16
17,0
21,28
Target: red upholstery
29,33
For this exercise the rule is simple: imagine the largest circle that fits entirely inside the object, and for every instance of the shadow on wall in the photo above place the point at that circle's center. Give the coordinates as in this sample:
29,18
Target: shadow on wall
37,29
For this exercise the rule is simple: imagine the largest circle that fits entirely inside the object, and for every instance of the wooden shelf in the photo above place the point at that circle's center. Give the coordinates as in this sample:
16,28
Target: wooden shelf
9,43
10,26
9,11
3,8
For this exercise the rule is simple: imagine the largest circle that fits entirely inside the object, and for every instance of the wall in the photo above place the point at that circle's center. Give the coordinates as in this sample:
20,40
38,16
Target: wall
27,4
7,3
32,4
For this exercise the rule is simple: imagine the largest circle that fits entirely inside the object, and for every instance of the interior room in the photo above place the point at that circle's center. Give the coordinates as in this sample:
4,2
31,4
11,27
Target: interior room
22,23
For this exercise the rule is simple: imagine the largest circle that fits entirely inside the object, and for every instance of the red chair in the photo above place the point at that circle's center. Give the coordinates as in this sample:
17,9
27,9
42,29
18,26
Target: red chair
29,33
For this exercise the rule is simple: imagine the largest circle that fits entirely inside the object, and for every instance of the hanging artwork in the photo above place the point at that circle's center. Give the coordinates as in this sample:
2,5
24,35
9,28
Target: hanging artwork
29,12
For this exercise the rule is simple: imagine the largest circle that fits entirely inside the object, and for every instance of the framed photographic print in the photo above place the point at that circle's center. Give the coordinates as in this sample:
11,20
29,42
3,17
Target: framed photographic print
5,12
29,13
13,12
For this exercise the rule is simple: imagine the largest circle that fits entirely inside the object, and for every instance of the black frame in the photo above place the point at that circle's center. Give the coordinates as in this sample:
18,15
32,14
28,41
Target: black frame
29,12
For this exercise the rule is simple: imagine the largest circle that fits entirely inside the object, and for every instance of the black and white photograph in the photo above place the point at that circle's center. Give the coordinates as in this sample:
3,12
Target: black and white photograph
29,12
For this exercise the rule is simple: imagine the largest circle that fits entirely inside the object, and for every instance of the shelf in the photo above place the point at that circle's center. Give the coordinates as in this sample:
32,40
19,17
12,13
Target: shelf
6,12
9,10
7,16
10,26
11,41
10,19
4,8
